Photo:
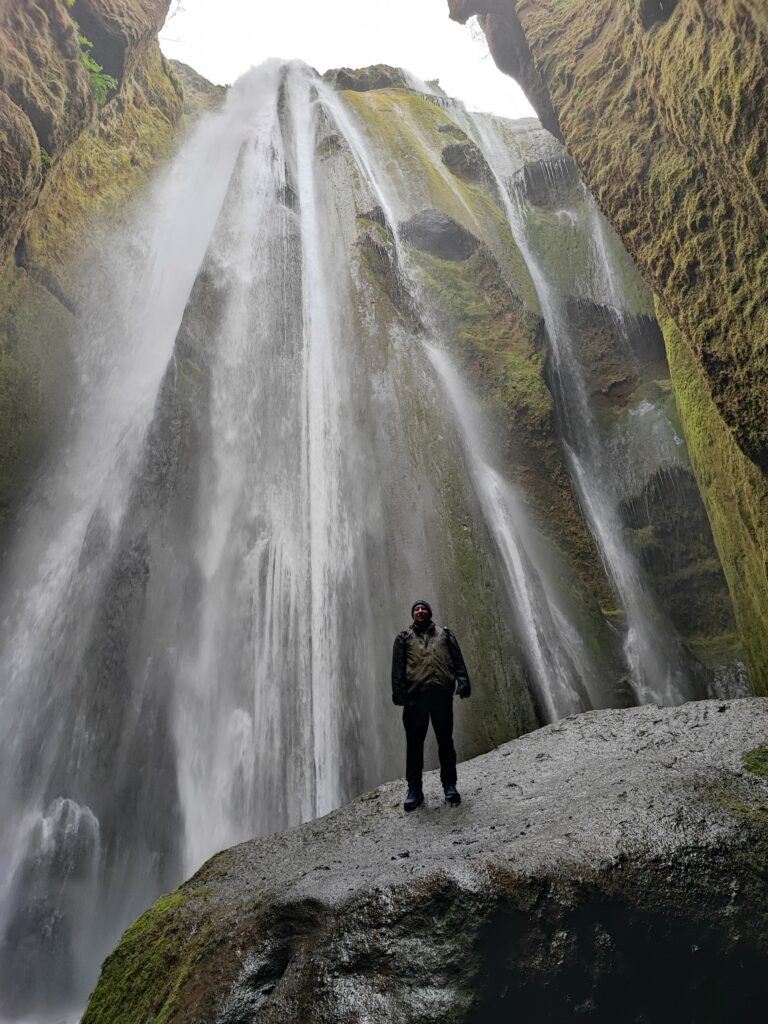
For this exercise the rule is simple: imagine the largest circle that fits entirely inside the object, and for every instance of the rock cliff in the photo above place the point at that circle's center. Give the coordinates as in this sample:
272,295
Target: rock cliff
610,867
661,107
88,107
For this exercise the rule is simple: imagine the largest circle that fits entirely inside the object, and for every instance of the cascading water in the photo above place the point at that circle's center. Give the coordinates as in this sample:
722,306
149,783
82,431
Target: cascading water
566,679
198,604
657,664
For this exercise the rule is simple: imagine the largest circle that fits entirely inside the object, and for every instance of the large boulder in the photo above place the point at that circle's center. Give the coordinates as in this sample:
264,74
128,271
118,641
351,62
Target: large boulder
611,867
378,76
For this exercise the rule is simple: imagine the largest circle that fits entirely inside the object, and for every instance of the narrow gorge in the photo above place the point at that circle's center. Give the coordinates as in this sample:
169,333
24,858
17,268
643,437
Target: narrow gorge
273,361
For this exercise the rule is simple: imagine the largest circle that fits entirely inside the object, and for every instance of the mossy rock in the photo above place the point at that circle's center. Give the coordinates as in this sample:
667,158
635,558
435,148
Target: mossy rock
407,130
35,378
377,76
735,494
661,107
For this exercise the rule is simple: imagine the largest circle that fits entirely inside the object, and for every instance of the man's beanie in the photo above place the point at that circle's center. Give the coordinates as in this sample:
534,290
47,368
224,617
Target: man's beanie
426,604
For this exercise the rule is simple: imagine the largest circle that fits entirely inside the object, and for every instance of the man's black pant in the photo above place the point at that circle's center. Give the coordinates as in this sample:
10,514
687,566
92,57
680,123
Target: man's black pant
437,704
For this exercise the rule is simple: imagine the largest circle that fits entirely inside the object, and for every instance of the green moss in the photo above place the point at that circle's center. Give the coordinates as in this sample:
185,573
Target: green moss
756,761
505,707
103,167
728,795
494,335
668,131
713,651
735,494
145,971
408,132
106,164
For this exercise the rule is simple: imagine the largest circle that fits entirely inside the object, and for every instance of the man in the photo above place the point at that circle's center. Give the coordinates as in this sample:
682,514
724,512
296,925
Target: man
427,666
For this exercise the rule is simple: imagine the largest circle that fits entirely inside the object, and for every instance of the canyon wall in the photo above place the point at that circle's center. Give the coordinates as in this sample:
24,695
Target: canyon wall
661,105
88,108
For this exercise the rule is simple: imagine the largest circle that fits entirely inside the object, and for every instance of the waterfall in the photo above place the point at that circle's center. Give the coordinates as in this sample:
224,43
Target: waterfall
267,460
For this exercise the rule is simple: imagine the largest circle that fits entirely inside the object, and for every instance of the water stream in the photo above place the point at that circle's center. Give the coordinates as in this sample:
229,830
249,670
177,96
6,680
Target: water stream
655,658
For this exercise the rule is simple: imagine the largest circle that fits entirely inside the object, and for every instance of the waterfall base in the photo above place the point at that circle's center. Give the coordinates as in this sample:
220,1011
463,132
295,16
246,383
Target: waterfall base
612,866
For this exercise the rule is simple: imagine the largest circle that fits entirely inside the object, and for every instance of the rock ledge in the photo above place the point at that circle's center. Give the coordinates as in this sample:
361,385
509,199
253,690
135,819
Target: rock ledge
612,866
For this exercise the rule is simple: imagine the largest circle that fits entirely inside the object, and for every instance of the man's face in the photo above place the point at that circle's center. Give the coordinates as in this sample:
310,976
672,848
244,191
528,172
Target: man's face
421,614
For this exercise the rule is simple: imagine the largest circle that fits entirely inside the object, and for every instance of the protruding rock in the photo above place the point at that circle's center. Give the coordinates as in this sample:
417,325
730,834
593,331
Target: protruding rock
466,161
379,76
434,232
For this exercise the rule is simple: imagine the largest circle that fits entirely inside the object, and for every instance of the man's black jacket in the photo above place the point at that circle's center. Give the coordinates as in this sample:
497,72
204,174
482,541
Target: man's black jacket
402,690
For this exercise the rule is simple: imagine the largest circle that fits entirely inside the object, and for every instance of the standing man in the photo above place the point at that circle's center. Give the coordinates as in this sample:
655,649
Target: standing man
427,666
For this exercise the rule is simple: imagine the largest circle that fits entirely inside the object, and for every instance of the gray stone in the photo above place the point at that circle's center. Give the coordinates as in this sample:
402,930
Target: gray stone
610,867
434,232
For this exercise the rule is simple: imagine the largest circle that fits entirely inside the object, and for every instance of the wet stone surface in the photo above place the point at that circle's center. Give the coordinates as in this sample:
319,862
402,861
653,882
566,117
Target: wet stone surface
610,867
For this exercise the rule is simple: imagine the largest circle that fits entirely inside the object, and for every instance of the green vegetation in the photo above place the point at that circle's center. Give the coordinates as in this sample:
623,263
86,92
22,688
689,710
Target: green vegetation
756,761
500,345
409,131
101,83
105,165
147,969
96,168
735,494
666,127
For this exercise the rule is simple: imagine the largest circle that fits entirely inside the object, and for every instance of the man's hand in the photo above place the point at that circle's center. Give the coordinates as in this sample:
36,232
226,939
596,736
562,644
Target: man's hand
464,689
399,699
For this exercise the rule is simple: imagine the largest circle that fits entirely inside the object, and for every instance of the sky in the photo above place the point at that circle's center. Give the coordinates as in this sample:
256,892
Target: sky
221,39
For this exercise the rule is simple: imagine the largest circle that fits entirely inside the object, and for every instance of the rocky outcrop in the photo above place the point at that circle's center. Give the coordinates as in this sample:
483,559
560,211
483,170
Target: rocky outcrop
609,867
433,232
482,300
199,94
74,150
660,105
47,86
378,76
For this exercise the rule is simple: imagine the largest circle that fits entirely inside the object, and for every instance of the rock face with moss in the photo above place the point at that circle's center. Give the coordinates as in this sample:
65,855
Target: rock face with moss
612,866
660,105
330,374
88,107
489,246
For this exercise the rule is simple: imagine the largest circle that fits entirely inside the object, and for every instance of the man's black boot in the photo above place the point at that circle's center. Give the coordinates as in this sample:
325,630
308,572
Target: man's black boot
452,795
414,799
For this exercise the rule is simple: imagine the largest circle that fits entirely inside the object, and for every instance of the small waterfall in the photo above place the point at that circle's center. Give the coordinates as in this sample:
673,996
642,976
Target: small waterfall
566,679
656,661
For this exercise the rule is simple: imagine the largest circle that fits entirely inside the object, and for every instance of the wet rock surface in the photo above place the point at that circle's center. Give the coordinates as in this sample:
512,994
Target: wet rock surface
378,76
659,103
44,88
611,866
433,232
